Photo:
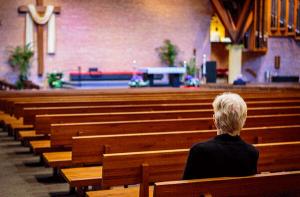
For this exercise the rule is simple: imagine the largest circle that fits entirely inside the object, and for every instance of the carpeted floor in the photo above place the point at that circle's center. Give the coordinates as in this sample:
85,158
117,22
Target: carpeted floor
22,175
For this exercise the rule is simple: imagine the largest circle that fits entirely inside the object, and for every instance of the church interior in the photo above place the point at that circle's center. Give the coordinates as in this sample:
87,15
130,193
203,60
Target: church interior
106,97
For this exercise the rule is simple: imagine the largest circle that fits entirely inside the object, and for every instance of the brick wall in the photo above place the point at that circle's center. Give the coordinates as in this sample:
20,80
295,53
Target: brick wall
110,34
288,50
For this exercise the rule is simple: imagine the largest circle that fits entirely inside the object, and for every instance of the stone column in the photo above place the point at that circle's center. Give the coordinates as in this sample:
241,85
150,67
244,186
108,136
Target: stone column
234,61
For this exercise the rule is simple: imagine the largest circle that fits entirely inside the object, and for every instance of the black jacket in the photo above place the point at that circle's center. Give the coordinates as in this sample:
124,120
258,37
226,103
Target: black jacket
224,155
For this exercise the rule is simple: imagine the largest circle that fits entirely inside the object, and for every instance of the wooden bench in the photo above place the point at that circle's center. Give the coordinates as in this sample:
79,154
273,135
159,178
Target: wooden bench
43,122
257,104
12,124
16,108
156,166
89,150
39,95
61,134
271,184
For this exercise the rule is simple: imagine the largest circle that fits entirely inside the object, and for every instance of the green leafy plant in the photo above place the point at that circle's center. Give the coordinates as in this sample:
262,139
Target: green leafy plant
54,80
191,67
168,53
20,58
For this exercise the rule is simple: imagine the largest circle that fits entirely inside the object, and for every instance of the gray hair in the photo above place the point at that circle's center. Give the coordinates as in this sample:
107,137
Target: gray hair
230,113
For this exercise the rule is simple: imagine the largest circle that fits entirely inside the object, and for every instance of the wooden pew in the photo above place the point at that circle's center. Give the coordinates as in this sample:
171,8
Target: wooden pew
43,122
89,150
156,166
271,184
17,108
30,113
29,118
13,125
61,134
151,92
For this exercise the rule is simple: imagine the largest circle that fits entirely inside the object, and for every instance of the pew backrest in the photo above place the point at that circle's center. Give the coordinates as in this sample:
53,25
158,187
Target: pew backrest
61,134
271,184
168,165
43,122
17,108
87,150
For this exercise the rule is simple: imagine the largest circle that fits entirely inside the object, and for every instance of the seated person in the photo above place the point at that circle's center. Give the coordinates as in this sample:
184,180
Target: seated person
226,154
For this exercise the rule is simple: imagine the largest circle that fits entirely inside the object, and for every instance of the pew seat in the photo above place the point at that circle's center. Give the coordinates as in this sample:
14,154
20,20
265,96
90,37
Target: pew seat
129,192
58,159
30,135
74,176
40,146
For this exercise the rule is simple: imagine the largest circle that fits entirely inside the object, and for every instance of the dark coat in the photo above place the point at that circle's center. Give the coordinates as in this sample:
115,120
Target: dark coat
224,155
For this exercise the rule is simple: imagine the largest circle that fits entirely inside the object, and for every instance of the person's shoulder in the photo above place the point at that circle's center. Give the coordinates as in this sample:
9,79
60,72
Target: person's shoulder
251,148
201,146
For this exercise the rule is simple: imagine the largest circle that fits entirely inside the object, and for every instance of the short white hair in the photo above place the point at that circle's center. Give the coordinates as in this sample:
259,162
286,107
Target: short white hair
230,113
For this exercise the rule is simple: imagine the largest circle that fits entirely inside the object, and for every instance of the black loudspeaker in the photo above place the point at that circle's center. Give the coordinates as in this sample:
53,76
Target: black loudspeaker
211,72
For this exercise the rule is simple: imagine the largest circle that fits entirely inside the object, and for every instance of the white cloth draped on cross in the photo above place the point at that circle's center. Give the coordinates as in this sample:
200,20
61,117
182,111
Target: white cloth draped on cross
49,17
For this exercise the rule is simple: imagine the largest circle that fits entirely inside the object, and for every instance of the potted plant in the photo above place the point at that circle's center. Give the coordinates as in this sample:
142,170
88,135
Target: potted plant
191,78
55,80
168,53
20,58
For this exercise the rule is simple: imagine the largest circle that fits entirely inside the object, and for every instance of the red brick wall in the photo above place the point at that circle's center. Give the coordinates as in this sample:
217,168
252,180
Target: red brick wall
110,34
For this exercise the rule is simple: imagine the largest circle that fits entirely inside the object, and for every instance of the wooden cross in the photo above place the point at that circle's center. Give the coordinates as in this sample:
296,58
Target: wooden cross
40,32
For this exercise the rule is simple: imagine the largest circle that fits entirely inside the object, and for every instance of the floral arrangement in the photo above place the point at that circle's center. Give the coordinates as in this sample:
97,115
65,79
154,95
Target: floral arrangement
191,81
138,81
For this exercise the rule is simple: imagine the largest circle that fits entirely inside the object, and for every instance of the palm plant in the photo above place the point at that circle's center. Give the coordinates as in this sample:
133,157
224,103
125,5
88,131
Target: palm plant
20,59
168,53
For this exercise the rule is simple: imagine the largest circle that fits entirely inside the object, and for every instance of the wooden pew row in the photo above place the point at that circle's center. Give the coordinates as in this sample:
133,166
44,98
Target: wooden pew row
9,102
156,166
30,113
89,150
152,92
192,95
122,91
198,94
61,134
43,122
41,94
31,118
169,107
16,109
44,126
270,184
12,124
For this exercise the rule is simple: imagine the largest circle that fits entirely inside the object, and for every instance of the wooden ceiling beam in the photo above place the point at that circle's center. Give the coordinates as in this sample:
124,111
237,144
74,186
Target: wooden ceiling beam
225,19
247,25
244,20
244,13
241,23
